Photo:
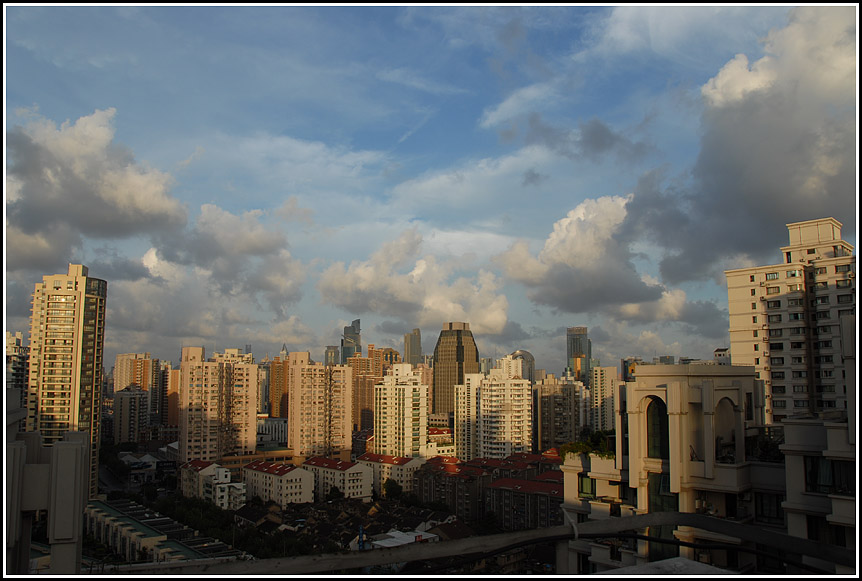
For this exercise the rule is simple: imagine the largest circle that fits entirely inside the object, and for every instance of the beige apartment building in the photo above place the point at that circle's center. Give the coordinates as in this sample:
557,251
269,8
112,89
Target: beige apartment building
277,482
67,336
400,412
786,319
603,387
218,403
493,414
320,406
353,479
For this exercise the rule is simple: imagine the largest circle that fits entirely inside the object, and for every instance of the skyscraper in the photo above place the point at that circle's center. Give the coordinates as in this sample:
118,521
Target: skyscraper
454,355
413,347
578,353
67,336
786,320
142,370
351,341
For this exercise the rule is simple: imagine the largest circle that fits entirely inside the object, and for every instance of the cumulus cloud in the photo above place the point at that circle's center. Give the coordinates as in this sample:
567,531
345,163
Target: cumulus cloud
73,181
779,140
396,281
586,266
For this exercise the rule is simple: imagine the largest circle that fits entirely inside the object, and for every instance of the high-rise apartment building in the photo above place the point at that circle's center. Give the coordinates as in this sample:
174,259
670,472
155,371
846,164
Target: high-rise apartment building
455,355
366,373
603,387
17,355
67,336
400,412
141,370
413,347
555,412
494,413
786,319
351,341
320,404
579,353
278,377
218,405
131,414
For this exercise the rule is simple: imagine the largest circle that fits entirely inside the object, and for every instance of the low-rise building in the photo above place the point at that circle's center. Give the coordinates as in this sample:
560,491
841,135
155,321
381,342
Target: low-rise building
354,480
280,483
398,468
211,482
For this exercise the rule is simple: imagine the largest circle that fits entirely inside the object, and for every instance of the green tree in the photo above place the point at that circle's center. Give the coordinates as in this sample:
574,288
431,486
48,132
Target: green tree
392,489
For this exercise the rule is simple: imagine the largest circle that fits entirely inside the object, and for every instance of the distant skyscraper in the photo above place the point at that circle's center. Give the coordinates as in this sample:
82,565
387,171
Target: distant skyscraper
17,356
332,355
528,364
578,353
454,356
413,347
67,335
351,341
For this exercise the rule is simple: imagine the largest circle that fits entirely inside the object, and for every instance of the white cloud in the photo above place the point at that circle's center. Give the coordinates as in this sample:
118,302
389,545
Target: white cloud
520,103
396,281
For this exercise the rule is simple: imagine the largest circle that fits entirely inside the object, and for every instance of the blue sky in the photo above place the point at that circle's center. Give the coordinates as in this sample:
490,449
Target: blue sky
265,175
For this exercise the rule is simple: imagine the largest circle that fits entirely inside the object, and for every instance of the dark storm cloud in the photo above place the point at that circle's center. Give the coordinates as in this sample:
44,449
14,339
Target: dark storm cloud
591,141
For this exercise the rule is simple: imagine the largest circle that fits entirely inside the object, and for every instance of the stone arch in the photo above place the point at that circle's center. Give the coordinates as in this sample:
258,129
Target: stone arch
725,431
657,432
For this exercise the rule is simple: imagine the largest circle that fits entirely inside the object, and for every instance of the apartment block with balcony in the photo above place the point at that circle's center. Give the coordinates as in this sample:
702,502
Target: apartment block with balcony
400,469
353,479
785,320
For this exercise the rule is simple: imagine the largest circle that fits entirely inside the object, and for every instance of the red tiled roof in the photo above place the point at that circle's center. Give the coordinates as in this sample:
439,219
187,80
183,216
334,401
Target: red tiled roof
196,465
553,489
329,463
551,475
384,459
270,467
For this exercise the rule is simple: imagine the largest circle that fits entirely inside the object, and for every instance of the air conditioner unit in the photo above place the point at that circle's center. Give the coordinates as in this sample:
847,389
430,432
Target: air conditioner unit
851,274
766,368
762,283
766,338
762,298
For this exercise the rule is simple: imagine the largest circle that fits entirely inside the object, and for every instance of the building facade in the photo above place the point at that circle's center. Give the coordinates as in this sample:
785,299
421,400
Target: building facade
400,413
320,405
67,336
455,355
413,347
218,406
603,387
785,319
280,483
579,353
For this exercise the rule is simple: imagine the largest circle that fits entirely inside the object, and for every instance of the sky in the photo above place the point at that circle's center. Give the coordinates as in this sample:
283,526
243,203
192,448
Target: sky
265,175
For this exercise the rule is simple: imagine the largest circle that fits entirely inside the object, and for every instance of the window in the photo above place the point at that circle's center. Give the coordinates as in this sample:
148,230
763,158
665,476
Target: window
767,508
586,487
796,316
756,347
818,286
754,333
823,345
776,360
658,441
842,268
810,251
775,332
825,330
844,299
819,301
800,403
823,359
825,388
754,319
843,284
794,302
797,345
777,375
821,315
773,318
820,270
794,274
751,278
773,290
800,374
797,360
794,287
753,292
771,276
776,346
779,403
753,306
800,389
773,304
778,389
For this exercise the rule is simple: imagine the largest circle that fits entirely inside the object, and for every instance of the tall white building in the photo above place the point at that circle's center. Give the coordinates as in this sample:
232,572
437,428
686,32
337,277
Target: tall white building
67,335
786,319
320,408
493,414
400,412
603,387
218,406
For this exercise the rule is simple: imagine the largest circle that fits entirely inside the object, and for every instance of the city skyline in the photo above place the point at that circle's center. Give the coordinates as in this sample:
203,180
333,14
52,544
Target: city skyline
267,175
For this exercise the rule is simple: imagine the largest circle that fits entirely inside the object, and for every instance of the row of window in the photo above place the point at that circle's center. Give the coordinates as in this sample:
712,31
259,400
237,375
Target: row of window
818,270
